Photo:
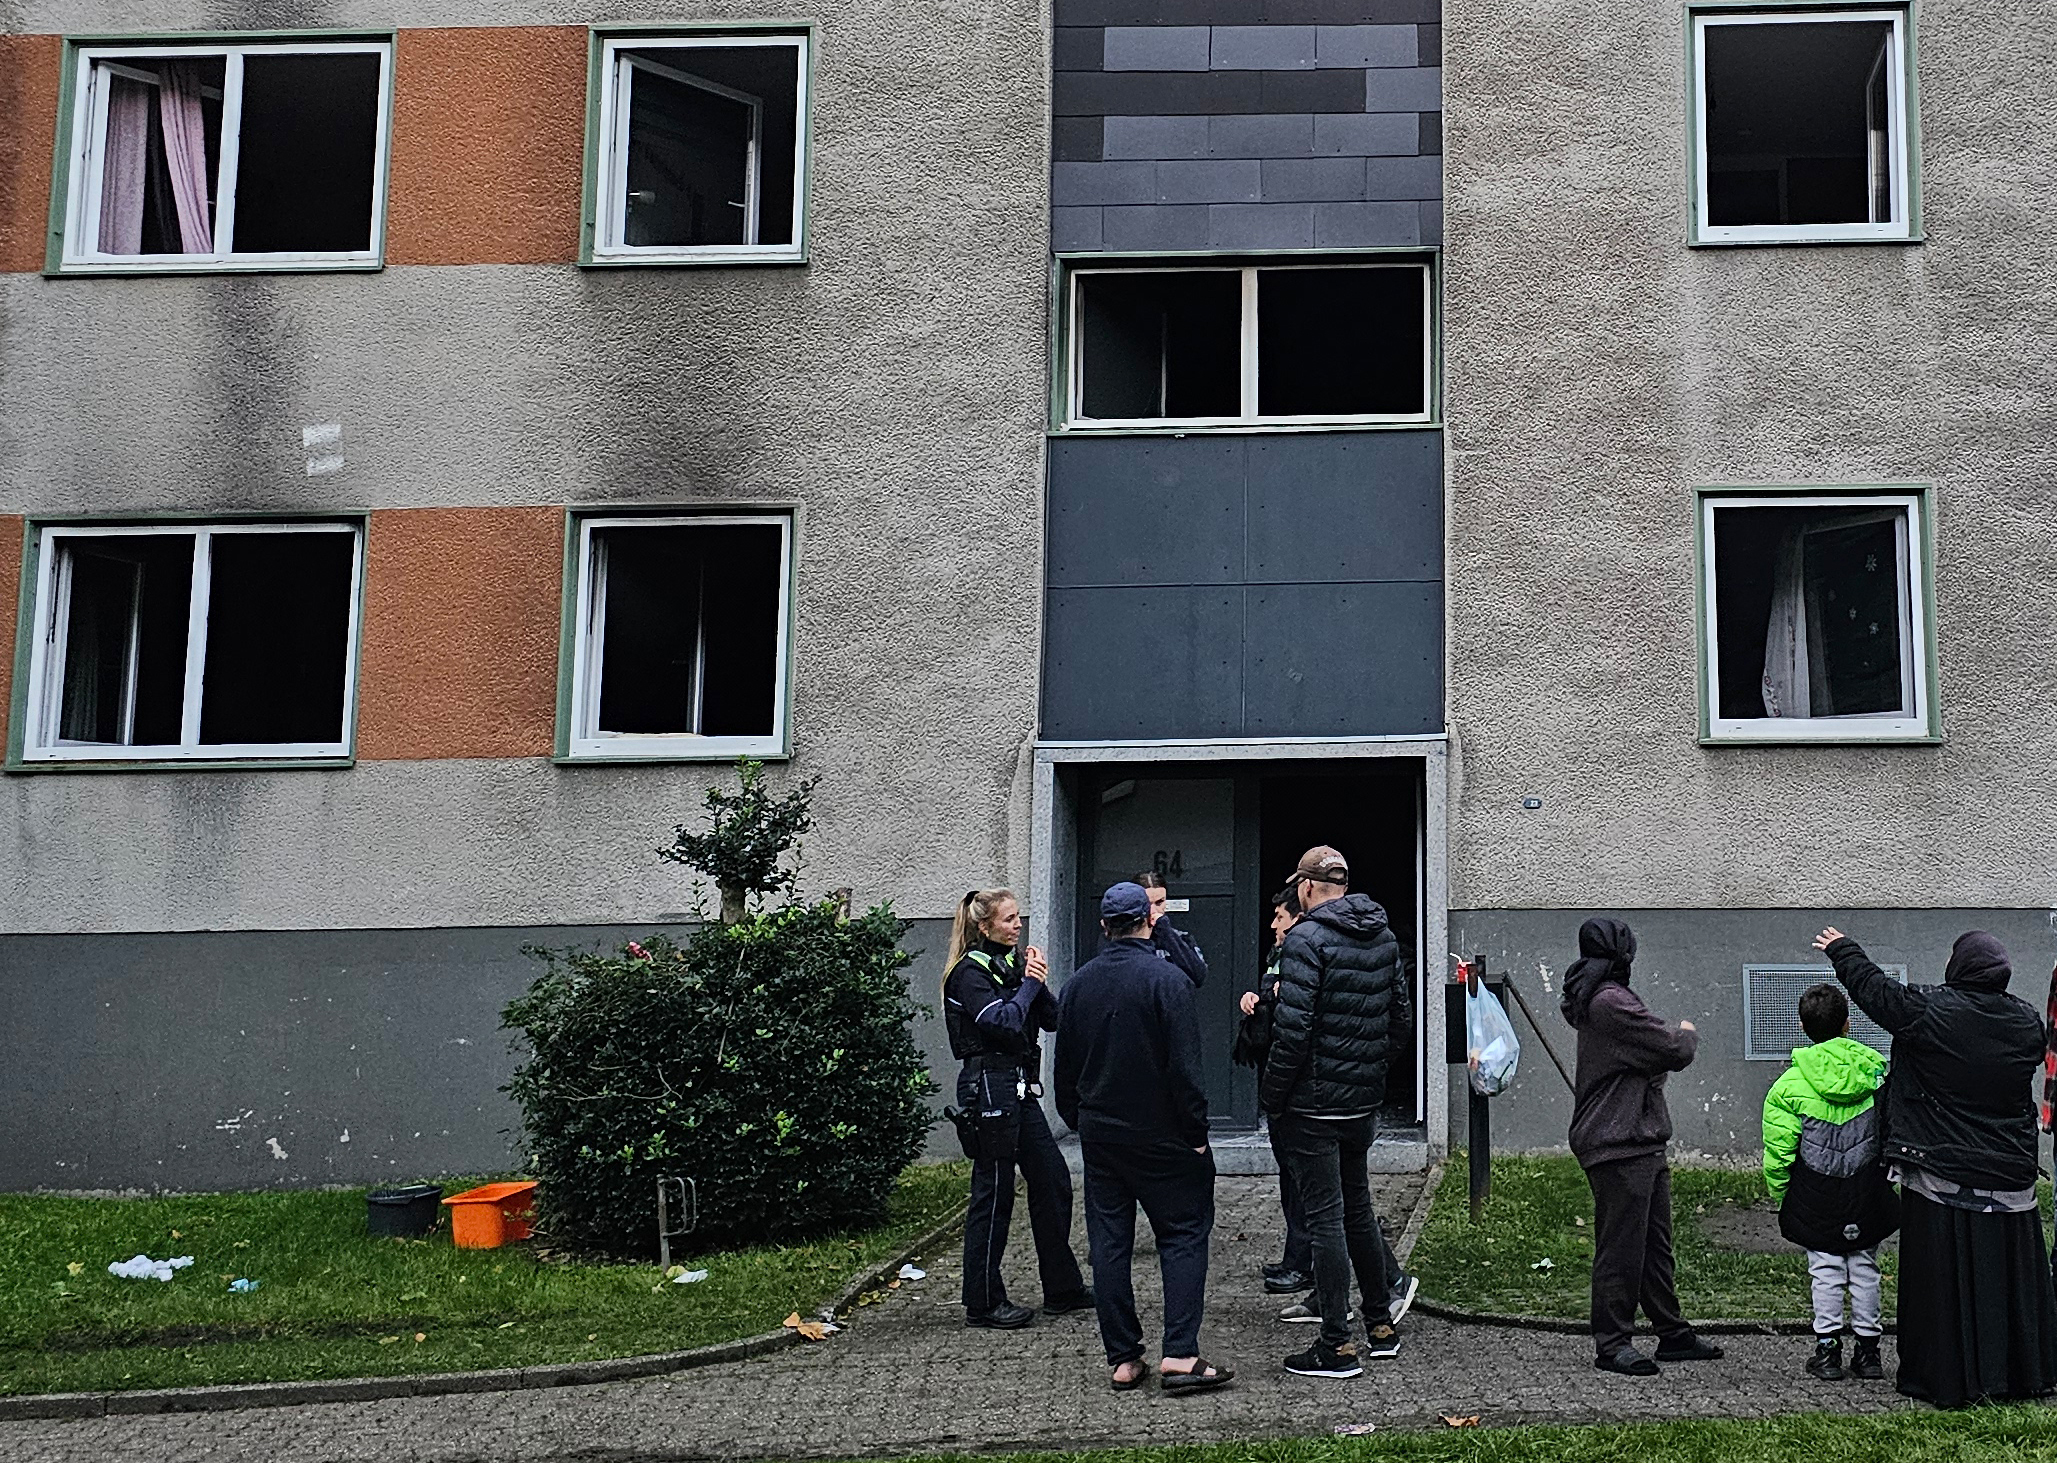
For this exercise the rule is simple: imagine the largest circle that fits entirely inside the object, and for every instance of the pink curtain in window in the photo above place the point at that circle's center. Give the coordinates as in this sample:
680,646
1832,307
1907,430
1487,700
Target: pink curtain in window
185,151
125,165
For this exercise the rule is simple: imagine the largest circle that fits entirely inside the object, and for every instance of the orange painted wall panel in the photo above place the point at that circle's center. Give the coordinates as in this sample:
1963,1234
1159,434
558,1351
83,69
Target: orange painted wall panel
460,633
29,73
10,606
489,128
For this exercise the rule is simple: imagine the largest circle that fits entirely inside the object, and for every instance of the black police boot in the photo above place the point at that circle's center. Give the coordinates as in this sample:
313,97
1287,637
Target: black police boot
1063,1305
1006,1316
1288,1282
1827,1361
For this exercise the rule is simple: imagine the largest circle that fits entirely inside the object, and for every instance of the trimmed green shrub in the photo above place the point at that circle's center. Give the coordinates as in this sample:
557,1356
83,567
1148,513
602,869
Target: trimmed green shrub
770,1061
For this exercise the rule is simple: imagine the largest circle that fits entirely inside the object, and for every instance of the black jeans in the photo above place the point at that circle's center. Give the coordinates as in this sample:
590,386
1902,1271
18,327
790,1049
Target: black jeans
1175,1187
1299,1255
992,1209
1632,1251
1329,1163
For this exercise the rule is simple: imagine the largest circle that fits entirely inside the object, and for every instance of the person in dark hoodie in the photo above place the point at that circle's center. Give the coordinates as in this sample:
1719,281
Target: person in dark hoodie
1978,1320
1341,1004
1129,1083
1619,1128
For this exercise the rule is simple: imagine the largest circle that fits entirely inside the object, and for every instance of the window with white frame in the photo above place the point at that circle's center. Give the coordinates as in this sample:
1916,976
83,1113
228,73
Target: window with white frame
1802,126
680,628
1816,616
1243,345
254,155
702,148
165,642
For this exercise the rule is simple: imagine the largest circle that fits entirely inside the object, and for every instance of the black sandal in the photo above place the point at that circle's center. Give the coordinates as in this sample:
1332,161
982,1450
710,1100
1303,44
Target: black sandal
1142,1375
1204,1377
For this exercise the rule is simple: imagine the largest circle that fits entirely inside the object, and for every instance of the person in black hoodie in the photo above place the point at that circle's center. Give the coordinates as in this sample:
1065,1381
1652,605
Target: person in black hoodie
1977,1316
1341,1004
1129,1083
1619,1128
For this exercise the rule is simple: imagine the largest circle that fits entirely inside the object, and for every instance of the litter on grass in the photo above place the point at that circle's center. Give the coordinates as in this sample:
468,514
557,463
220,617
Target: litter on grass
687,1277
913,1272
1546,1263
243,1287
142,1267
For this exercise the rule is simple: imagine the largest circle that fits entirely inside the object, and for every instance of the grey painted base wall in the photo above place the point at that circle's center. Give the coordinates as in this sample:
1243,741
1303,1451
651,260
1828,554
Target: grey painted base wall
272,1059
1689,965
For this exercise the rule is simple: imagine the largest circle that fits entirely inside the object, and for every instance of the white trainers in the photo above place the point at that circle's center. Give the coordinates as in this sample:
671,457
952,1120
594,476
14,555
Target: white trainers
1403,1298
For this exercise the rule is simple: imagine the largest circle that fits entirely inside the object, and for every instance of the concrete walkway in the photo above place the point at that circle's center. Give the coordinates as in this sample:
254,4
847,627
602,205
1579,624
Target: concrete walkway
908,1377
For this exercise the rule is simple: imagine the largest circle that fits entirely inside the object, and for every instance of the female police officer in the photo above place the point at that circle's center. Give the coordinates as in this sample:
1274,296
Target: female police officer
996,1004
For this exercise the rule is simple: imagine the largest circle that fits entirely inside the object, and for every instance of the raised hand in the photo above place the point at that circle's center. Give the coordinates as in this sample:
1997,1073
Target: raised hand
1828,937
1034,966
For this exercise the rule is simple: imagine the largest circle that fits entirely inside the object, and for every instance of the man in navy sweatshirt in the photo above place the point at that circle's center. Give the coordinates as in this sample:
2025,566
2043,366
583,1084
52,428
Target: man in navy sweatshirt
1128,1081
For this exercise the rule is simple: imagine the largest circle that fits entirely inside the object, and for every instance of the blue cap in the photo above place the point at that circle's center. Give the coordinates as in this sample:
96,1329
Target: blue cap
1125,901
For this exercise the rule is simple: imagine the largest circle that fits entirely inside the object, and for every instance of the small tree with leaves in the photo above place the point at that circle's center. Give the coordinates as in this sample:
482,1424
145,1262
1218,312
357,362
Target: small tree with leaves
748,835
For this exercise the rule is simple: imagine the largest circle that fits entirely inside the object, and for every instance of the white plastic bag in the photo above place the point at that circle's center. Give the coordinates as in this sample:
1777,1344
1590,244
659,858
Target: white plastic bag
1493,1051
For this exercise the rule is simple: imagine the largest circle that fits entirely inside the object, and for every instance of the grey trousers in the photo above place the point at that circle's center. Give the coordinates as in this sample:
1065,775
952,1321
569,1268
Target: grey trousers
1831,1275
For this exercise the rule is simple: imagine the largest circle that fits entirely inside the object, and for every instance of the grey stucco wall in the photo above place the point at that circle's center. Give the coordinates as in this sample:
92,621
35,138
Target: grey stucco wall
1689,966
1597,369
893,388
1235,124
284,1059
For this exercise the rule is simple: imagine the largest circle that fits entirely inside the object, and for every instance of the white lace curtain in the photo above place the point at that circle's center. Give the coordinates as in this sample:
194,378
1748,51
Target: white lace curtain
1795,670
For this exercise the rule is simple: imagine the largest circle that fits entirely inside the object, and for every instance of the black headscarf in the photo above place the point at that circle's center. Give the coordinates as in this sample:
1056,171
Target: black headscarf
1605,949
1978,962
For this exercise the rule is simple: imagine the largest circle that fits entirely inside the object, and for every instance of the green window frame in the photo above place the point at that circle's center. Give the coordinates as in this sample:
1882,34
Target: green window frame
1899,168
580,657
74,194
1786,612
617,56
35,742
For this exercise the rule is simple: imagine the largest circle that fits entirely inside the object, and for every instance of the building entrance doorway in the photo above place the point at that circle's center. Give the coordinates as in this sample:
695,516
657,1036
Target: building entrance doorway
1225,837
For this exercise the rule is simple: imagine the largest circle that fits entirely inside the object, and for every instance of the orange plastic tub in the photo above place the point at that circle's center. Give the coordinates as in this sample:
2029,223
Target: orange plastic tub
490,1215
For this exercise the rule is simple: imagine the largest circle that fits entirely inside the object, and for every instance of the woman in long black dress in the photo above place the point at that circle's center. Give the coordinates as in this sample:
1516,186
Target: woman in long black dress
1978,1320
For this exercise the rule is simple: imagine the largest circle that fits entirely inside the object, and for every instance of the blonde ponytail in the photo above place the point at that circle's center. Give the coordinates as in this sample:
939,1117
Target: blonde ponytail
973,910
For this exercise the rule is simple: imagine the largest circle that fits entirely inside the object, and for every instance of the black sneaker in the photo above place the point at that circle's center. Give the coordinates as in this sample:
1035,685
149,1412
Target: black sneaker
1288,1282
1006,1316
1064,1305
1381,1342
1305,1312
1402,1298
1864,1362
1827,1361
1323,1361
1272,1272
1629,1362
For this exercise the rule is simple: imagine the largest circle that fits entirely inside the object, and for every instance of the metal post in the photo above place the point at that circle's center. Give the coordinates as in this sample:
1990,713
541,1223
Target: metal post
1481,1152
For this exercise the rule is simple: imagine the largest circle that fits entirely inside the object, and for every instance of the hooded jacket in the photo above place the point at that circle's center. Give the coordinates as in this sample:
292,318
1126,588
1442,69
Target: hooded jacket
1821,1149
1624,1052
1341,1004
1959,1105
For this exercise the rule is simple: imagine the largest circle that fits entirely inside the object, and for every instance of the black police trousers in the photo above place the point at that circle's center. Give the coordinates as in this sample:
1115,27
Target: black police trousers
992,1206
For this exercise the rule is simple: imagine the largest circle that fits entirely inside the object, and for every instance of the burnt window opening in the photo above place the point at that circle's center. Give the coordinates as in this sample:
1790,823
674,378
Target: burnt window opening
245,152
705,145
174,643
1251,344
1802,122
1813,613
685,630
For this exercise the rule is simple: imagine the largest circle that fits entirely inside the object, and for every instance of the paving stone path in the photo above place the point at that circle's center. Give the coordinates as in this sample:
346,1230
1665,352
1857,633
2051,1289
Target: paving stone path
908,1377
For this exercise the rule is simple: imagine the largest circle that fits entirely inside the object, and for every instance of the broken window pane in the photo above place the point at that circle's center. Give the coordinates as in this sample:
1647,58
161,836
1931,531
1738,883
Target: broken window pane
712,132
307,152
1813,612
688,629
1798,130
278,638
1341,342
1160,344
124,670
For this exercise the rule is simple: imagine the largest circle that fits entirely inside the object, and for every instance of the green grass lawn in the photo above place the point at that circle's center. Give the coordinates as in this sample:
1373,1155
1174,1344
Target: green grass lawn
1980,1435
1541,1209
333,1302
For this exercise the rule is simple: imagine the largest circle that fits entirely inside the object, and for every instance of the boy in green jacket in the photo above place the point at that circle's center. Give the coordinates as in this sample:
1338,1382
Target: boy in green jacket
1821,1166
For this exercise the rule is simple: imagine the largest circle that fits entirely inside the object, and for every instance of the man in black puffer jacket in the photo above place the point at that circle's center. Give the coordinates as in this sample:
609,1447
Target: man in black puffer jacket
1341,1004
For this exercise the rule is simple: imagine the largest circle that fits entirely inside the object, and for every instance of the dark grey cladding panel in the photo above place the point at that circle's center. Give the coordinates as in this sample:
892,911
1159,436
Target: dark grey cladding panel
1345,506
1343,660
1247,12
1204,93
1143,664
1147,511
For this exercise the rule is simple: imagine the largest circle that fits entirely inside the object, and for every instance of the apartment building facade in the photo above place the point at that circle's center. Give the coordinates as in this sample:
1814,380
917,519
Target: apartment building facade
432,455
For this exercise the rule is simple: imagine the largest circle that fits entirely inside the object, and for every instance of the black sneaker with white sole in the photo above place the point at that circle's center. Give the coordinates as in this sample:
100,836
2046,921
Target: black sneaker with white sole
1381,1343
1336,1362
1306,1312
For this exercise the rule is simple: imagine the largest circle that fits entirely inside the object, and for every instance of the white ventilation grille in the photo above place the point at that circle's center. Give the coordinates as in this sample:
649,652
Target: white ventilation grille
1771,1010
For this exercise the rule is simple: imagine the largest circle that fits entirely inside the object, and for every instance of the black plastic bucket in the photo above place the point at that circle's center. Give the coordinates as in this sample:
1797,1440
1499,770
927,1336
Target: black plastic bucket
408,1212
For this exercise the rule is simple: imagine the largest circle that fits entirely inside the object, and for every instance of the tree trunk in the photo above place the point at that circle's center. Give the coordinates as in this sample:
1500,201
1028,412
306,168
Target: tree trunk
733,908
